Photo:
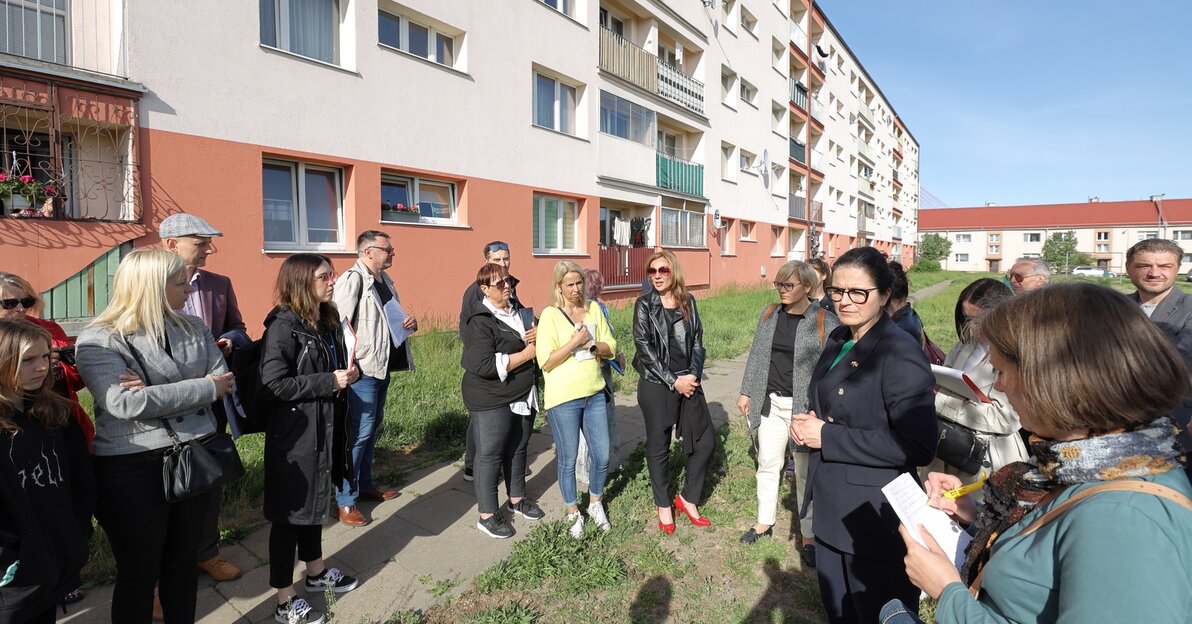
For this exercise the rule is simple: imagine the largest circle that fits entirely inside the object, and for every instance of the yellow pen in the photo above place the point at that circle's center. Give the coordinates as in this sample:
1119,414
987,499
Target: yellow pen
967,489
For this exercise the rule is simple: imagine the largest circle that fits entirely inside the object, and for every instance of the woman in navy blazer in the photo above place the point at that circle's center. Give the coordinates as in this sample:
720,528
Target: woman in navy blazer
872,418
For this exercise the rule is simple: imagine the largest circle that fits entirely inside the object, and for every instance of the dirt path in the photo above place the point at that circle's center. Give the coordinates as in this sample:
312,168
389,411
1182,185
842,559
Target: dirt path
930,291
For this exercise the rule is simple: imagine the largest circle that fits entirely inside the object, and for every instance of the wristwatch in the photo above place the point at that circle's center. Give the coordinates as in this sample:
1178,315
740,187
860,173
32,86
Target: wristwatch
592,349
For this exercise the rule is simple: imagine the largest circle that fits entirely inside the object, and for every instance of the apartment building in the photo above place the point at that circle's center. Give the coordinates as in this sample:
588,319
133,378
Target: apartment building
991,238
590,130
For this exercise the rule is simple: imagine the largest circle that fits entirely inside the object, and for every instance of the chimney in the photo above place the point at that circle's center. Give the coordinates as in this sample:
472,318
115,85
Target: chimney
1094,200
988,204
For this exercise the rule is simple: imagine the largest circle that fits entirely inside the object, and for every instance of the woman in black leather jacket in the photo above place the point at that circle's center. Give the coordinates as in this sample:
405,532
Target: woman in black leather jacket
670,362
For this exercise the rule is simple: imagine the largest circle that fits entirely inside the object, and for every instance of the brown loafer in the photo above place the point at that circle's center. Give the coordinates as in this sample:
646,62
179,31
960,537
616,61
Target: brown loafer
220,569
158,614
351,516
378,494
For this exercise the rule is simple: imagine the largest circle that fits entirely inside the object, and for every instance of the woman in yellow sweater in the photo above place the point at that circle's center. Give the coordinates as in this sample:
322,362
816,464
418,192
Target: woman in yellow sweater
572,338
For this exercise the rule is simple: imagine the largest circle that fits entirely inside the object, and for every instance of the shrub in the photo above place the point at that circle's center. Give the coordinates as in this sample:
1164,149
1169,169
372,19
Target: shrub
925,266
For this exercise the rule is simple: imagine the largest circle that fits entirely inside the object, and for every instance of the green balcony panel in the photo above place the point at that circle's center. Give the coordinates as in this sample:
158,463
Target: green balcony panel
678,175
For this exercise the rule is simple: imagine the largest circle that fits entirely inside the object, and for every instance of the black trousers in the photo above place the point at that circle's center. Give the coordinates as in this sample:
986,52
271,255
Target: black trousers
209,535
499,436
854,588
660,409
283,540
154,542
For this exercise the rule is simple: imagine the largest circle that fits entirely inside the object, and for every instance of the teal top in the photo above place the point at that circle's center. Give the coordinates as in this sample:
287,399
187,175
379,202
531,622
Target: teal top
844,348
1113,557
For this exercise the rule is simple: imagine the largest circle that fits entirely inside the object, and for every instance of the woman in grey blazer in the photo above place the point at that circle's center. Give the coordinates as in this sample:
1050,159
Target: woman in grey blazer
786,345
154,541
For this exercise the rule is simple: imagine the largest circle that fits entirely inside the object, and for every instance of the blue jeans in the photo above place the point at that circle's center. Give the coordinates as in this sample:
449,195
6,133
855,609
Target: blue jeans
366,410
566,420
896,612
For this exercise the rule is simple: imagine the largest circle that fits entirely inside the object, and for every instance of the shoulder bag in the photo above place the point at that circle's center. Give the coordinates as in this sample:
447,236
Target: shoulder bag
961,447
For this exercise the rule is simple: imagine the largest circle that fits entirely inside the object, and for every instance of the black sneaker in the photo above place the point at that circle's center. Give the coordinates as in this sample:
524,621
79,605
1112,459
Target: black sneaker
468,474
527,509
332,579
807,554
495,526
297,611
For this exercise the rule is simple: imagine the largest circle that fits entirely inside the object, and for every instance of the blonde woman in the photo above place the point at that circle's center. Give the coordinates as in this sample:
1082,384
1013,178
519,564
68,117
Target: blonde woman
154,541
573,337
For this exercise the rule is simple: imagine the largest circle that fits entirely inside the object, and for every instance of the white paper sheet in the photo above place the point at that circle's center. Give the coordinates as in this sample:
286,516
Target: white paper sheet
396,316
349,340
958,383
910,503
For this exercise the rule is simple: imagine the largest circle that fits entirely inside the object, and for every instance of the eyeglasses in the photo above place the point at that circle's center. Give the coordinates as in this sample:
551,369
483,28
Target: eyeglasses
856,295
504,283
326,277
494,247
785,286
26,302
386,250
1018,277
662,270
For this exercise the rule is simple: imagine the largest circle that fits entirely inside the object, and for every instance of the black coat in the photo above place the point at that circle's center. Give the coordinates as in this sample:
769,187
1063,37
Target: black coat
651,335
878,405
485,336
47,495
305,441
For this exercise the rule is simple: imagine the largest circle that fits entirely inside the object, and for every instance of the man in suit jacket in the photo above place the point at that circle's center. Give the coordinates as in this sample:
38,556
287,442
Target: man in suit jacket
1154,266
214,301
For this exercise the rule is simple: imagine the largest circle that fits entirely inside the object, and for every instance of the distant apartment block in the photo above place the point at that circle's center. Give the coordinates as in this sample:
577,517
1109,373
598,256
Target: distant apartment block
737,135
991,238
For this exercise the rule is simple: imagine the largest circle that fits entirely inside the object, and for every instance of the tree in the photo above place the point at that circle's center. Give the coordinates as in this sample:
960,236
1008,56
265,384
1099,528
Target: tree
1060,252
934,247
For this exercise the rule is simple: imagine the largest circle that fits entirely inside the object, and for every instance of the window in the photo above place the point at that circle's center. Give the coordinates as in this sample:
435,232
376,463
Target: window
995,238
746,230
747,161
302,206
748,92
682,223
748,21
727,170
1147,234
776,246
1104,236
668,144
555,220
1186,259
777,117
612,23
35,29
728,87
435,200
964,238
1032,237
728,6
1102,247
428,42
961,257
306,27
994,249
554,104
778,54
622,118
1177,235
728,246
566,7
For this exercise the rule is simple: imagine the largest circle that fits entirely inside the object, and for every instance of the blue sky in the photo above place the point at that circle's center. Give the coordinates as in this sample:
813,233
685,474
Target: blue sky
1026,102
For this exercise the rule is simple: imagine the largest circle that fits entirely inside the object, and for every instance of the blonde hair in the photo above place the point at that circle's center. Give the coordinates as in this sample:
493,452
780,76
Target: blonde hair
678,282
16,281
138,300
562,268
801,271
17,337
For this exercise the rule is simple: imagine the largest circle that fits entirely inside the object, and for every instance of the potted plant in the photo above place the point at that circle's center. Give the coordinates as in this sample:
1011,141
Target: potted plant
402,213
37,197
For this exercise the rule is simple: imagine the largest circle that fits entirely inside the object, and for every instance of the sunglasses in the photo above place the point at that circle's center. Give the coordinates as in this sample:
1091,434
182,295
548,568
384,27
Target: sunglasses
497,247
505,283
326,277
856,295
662,270
26,302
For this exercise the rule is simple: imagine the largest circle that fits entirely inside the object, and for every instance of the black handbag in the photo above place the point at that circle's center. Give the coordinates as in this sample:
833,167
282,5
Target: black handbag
961,447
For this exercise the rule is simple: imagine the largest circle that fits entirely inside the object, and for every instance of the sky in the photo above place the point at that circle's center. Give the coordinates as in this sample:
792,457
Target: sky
1033,102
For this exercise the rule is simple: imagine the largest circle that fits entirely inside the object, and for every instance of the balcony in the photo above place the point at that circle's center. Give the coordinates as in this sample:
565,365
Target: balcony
864,226
798,37
80,34
865,187
817,110
799,94
865,114
798,151
898,150
633,64
816,215
797,207
898,232
818,160
896,180
863,150
680,175
621,265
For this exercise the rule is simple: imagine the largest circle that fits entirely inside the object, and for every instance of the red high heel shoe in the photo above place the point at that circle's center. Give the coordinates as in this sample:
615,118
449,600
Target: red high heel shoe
666,528
680,505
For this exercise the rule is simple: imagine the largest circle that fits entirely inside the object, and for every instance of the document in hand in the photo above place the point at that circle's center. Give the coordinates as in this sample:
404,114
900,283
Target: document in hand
910,503
395,316
349,340
958,383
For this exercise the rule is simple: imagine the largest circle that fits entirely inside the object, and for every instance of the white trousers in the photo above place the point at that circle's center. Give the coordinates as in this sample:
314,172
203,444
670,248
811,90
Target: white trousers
773,438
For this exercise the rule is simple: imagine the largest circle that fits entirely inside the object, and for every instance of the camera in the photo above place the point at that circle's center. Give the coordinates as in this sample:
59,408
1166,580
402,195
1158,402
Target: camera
66,355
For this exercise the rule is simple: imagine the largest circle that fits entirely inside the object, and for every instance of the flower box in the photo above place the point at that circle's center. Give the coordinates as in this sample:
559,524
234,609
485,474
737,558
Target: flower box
400,217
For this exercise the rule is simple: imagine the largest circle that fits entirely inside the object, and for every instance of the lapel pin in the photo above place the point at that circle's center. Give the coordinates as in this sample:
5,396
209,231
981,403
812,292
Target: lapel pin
853,364
840,391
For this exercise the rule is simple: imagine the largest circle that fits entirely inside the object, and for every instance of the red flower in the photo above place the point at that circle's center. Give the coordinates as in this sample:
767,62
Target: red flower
50,191
3,177
26,179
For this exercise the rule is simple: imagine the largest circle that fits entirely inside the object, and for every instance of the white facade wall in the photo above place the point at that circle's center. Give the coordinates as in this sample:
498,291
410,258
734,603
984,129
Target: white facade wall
972,250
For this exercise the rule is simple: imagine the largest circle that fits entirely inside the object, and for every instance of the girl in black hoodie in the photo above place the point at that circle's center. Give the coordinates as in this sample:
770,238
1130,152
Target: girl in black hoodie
47,491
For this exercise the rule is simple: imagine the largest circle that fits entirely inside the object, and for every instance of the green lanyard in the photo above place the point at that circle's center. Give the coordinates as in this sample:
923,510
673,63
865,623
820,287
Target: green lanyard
845,348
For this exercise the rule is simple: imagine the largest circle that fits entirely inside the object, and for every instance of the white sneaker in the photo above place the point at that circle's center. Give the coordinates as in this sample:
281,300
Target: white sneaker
577,525
599,518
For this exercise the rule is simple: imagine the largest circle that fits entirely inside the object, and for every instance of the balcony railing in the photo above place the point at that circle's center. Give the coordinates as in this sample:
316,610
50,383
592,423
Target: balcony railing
817,109
897,180
863,150
863,225
818,160
798,151
680,175
84,34
798,37
816,215
898,232
898,150
625,60
865,113
799,94
865,187
798,207
624,266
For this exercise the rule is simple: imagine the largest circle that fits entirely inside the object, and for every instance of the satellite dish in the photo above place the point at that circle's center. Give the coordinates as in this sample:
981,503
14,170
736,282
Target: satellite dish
716,222
765,170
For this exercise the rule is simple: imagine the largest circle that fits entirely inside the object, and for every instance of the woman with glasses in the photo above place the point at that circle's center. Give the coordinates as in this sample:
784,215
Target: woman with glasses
670,363
153,540
995,422
499,392
871,418
573,338
787,343
305,371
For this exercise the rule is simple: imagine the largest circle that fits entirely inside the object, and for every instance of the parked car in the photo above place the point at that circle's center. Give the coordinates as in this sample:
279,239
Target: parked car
1189,276
1092,271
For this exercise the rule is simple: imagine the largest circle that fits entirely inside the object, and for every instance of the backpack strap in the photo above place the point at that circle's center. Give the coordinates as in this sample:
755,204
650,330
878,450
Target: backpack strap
1144,487
769,311
819,322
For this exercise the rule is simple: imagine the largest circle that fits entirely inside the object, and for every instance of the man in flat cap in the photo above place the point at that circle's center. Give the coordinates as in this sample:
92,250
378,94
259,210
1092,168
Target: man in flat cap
214,301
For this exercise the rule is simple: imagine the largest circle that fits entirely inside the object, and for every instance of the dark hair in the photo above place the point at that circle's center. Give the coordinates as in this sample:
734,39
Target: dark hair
984,293
822,268
873,262
368,237
294,291
495,246
901,288
488,273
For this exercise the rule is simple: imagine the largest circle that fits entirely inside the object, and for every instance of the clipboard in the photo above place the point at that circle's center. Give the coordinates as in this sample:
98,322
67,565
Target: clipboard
958,383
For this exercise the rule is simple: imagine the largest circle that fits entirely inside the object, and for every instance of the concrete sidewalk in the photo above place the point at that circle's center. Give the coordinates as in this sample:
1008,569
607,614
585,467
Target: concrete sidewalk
422,538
